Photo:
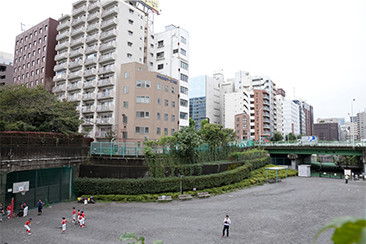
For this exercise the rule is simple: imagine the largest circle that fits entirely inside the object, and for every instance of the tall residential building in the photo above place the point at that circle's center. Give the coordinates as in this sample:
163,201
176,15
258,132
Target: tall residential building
93,42
204,102
172,59
280,97
260,117
34,55
242,126
6,68
361,125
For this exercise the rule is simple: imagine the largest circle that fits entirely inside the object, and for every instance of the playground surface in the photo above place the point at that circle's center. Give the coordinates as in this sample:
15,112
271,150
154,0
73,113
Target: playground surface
290,211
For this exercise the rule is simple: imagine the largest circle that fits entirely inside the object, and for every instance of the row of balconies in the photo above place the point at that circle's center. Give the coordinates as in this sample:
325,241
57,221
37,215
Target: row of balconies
103,47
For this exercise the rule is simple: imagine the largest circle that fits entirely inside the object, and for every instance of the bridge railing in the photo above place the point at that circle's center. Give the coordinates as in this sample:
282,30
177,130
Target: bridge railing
320,143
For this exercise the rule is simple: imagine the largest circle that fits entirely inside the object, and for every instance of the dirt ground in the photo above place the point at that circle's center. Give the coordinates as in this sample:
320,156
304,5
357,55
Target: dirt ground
291,211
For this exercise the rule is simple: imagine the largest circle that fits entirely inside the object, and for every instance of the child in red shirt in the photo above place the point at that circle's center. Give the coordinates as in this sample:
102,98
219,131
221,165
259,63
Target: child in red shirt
63,223
27,226
73,215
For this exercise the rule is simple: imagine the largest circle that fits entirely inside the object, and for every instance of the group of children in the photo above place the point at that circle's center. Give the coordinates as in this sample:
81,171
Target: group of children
78,218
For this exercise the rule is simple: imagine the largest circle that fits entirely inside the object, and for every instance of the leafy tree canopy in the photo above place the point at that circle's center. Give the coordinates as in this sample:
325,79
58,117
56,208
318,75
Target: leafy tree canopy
277,136
215,135
24,109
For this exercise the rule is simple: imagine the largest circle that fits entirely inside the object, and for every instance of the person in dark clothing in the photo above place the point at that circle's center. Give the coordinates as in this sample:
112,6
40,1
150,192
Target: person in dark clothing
40,205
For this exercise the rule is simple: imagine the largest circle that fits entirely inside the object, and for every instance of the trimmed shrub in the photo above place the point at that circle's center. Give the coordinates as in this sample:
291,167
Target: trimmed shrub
92,186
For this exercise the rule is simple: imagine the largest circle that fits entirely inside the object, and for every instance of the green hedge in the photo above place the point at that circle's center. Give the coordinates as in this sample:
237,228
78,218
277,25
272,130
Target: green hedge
91,186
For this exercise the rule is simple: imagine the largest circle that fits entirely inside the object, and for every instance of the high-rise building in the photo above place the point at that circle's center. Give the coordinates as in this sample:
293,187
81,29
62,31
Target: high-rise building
172,59
327,131
291,117
361,125
280,97
6,68
260,109
34,55
205,98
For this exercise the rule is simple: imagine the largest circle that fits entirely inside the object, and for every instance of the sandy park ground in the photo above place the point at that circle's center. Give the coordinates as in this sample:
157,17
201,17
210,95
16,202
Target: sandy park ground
291,211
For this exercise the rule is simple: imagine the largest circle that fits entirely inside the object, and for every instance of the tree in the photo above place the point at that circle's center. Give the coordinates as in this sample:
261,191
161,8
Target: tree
35,109
184,144
290,137
215,135
277,136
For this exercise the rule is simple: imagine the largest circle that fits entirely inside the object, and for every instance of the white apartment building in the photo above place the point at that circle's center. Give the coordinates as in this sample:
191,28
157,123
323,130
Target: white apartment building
172,59
280,97
235,103
361,125
291,118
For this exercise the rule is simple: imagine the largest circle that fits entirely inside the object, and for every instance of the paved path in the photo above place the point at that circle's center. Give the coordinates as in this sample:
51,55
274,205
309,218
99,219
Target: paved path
287,212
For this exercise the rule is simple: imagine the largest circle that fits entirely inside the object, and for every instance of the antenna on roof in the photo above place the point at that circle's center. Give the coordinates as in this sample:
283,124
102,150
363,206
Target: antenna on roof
22,26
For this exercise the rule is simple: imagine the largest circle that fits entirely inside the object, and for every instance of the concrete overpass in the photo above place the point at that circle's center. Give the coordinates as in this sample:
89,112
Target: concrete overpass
298,153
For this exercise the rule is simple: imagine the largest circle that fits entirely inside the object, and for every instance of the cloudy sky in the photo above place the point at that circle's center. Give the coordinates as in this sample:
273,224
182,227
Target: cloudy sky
314,49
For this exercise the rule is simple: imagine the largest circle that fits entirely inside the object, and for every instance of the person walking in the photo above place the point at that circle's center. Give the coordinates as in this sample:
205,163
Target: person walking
81,221
73,215
25,211
8,211
83,215
40,205
1,212
227,223
27,226
346,178
63,224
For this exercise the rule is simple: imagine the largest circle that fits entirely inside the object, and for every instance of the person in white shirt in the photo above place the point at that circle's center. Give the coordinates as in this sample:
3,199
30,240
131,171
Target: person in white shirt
227,223
346,178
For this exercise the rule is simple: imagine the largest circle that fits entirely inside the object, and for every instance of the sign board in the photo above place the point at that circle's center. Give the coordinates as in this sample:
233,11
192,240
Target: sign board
151,4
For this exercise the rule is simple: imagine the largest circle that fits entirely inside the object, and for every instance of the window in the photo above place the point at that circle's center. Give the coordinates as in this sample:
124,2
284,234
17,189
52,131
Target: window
127,75
166,102
142,99
160,43
142,114
130,21
172,131
158,101
166,117
183,52
43,58
38,60
165,131
46,28
184,77
141,130
160,55
34,43
33,63
158,130
44,48
173,90
175,51
39,40
183,115
152,55
40,30
29,55
143,84
160,66
130,33
32,73
158,86
183,103
34,52
28,64
125,104
183,40
45,38
129,44
125,89
184,90
42,70
37,71
173,117
131,11
158,116
129,55
183,65
39,50
173,104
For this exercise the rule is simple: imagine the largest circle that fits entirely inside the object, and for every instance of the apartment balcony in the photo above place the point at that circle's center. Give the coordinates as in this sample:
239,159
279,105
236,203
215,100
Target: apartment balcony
108,57
74,97
63,26
93,6
92,38
78,11
89,96
267,115
92,27
75,86
266,108
104,95
265,96
90,61
107,4
62,46
78,41
104,121
90,72
108,34
89,84
61,56
64,17
78,21
105,108
59,77
75,74
106,82
109,23
75,64
110,12
61,97
266,121
266,102
88,109
59,67
105,70
77,31
59,88
107,46
93,16
76,53
62,35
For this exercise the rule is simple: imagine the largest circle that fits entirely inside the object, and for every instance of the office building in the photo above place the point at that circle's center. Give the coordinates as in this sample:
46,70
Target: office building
361,125
291,118
6,68
34,55
327,131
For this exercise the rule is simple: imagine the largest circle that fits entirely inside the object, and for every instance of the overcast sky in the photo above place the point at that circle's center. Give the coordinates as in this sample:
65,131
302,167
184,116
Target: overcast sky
316,48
